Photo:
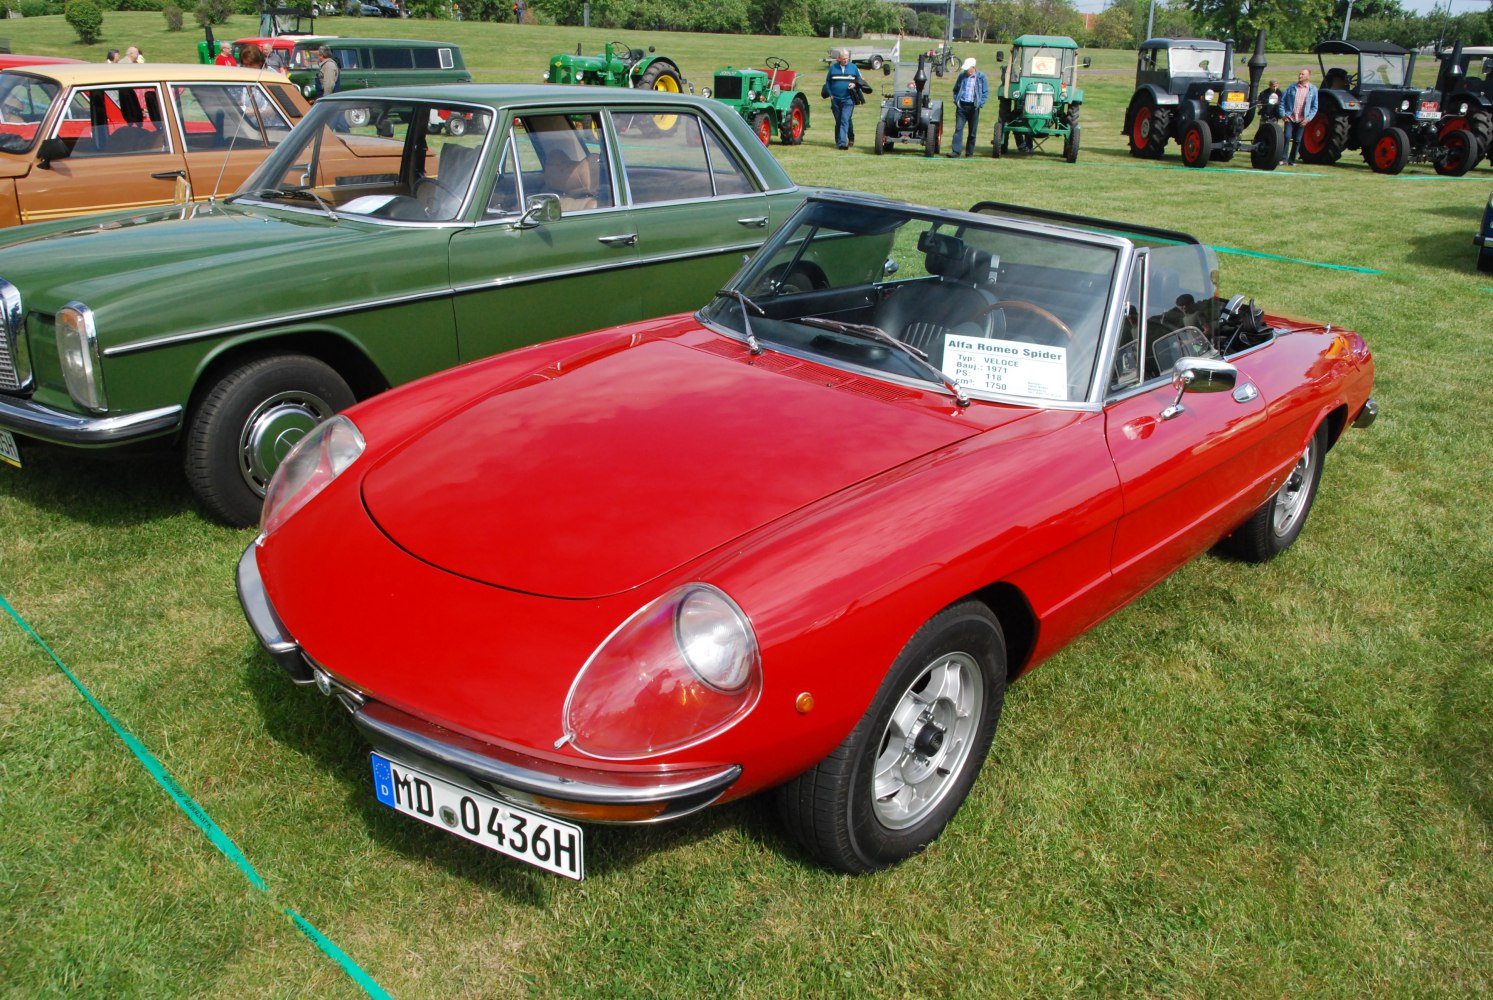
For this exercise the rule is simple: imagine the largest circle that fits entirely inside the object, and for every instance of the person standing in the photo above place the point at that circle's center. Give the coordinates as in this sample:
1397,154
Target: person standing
112,57
1298,106
132,55
1270,103
842,85
971,91
328,74
225,56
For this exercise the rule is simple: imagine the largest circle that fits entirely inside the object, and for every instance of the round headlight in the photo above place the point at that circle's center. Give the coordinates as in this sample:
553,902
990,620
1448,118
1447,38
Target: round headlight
317,459
714,639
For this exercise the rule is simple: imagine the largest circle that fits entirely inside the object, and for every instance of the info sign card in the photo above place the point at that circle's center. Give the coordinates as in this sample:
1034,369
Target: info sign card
1007,366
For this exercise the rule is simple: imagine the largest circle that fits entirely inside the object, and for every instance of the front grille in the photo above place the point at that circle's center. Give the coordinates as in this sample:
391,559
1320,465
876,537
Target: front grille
1038,103
10,332
728,88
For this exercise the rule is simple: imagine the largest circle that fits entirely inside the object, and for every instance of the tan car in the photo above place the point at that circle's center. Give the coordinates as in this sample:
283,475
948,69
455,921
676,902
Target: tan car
87,138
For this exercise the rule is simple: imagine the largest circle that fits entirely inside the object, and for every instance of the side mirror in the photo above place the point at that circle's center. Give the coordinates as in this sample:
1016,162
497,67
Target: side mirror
384,128
1000,57
539,209
1199,375
1087,62
890,267
55,148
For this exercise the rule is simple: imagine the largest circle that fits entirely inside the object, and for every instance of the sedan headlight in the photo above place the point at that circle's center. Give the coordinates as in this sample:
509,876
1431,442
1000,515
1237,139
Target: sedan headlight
317,459
680,669
77,347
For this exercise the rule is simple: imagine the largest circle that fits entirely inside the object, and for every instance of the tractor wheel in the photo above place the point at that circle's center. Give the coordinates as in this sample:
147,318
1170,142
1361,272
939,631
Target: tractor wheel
1324,139
998,140
880,145
1460,150
1197,144
660,76
932,137
456,124
1148,132
1070,145
1389,153
761,125
1269,141
791,129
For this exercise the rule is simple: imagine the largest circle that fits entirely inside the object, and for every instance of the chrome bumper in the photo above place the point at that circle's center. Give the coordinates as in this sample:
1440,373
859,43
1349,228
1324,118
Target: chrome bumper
46,424
1367,415
571,791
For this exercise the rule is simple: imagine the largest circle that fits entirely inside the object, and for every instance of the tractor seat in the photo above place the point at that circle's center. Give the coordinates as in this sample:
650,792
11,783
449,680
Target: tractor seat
783,79
1336,79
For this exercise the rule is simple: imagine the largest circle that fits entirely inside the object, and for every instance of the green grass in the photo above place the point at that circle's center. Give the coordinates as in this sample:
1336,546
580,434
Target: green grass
1255,781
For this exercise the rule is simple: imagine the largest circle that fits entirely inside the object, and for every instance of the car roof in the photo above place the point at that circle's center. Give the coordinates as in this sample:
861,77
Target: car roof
501,94
1335,47
1471,50
82,74
1046,41
1191,43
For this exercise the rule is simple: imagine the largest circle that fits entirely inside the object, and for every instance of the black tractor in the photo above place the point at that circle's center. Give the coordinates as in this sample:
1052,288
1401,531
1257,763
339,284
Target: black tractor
1368,103
907,114
1466,84
1185,89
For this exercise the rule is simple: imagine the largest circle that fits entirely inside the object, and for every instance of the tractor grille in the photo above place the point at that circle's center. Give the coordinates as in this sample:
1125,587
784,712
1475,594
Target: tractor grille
728,88
1038,103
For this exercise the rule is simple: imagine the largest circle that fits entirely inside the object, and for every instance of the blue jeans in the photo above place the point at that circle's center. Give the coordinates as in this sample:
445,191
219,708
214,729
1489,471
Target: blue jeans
1294,131
843,107
965,112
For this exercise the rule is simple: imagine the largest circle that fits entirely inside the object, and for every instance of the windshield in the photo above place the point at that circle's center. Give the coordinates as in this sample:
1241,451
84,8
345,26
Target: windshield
24,101
1001,310
1045,61
1196,62
396,160
1383,70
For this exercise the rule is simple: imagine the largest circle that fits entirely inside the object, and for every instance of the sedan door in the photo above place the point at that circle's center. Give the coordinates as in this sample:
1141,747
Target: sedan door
226,130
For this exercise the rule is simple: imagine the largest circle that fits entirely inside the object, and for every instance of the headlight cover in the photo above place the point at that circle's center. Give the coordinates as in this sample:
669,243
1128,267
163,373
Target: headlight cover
77,348
681,669
317,459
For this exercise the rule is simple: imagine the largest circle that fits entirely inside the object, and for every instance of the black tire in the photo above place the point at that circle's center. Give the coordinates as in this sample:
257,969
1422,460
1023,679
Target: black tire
998,140
1460,150
931,139
1197,143
660,76
892,786
1324,139
1274,527
1389,152
248,420
1270,140
1148,132
880,145
876,62
1070,145
791,129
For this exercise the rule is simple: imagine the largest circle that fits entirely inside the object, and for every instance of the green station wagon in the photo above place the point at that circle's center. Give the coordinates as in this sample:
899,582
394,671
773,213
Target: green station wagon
358,258
378,62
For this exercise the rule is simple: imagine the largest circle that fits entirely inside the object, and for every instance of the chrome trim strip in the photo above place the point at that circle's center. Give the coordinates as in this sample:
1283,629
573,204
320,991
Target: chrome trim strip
268,629
526,279
46,424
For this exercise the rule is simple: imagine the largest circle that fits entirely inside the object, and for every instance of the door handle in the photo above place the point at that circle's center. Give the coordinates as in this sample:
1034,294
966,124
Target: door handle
622,240
756,221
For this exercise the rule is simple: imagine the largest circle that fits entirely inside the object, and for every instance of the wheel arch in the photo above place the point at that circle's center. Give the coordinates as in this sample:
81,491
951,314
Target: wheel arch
331,348
1018,622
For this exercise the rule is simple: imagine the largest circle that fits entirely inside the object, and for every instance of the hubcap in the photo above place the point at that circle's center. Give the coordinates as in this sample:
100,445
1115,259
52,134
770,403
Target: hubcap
926,744
1290,500
272,430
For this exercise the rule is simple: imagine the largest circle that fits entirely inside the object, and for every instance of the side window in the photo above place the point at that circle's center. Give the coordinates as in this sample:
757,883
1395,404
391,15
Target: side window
23,104
664,157
726,170
284,97
393,59
218,116
114,121
559,154
1126,370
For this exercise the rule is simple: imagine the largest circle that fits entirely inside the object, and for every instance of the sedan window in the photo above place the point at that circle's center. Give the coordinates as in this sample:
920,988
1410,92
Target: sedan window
675,157
24,101
558,154
217,116
114,121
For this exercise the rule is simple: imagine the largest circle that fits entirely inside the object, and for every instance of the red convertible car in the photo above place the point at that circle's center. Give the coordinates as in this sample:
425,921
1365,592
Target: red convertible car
800,540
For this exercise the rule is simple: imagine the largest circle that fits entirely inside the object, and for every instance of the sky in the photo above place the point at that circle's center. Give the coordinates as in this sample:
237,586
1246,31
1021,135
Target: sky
1419,6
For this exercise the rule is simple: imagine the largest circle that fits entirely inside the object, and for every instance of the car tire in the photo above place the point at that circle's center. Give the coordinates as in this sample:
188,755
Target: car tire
1270,140
357,117
1197,144
246,422
880,145
876,62
794,122
1274,527
891,787
1389,152
1460,151
456,124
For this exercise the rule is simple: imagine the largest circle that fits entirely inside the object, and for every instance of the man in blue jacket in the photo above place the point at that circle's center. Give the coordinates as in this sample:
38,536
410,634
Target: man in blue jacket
841,86
1297,106
971,90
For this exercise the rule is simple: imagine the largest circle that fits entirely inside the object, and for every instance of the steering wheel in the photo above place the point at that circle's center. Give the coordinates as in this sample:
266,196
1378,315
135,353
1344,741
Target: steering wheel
445,197
1030,307
776,62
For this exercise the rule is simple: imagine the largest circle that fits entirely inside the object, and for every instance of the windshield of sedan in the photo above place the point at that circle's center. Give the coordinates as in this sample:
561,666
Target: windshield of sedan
393,160
1003,310
24,100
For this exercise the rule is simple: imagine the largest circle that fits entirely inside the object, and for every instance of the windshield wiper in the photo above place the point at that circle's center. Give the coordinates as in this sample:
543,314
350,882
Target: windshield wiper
296,194
875,333
747,306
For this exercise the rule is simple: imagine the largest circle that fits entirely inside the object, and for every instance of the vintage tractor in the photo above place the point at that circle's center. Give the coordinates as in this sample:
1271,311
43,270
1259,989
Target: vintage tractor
1367,103
907,114
1185,89
1038,95
621,66
768,99
1467,96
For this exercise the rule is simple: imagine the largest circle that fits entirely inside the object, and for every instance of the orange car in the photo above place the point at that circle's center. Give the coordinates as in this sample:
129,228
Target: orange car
87,138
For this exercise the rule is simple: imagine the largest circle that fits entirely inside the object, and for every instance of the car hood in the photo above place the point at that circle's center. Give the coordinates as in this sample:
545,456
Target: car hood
592,480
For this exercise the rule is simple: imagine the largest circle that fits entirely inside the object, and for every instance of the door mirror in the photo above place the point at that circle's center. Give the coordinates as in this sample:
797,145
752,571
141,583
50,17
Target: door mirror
55,148
540,209
1087,62
1199,375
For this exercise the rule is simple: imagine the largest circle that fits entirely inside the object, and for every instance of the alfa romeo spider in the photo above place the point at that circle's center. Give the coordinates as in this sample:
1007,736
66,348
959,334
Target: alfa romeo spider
800,540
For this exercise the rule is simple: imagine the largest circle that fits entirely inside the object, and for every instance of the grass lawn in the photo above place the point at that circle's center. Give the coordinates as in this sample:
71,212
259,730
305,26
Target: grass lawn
1255,781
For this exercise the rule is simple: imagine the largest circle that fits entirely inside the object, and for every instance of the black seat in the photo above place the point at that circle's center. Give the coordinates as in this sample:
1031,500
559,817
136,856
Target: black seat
956,300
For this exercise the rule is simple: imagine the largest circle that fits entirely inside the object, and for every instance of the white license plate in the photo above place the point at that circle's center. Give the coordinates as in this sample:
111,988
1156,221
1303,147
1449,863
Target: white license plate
9,453
1428,116
542,841
1236,105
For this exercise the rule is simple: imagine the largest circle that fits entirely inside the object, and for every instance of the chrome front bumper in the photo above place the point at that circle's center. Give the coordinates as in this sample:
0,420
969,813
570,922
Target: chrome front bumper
1367,415
570,791
23,416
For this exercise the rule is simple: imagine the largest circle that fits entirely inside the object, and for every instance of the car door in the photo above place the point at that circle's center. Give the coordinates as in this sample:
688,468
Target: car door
519,282
123,155
1186,475
697,205
226,131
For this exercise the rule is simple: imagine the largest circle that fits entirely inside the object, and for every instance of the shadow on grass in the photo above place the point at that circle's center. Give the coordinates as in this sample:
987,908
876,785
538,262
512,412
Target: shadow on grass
320,728
106,488
1464,730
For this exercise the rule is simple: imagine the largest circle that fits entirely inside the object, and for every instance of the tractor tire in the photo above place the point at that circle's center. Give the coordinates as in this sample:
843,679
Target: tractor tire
1149,131
660,76
1197,143
761,125
791,128
1389,153
1070,145
456,124
931,139
1460,150
880,145
1269,142
1324,139
998,140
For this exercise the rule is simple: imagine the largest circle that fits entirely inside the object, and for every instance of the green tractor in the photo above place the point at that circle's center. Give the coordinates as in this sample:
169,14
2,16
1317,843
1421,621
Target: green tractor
1039,94
769,100
621,66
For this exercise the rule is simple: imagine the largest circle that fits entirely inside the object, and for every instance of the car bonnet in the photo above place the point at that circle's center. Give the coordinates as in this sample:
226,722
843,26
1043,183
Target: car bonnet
594,480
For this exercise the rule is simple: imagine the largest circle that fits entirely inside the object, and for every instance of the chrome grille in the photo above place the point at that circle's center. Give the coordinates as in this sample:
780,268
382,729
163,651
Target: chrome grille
1038,103
10,331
